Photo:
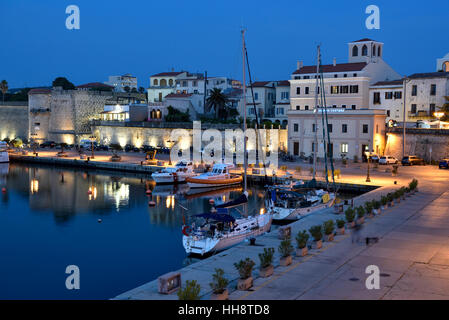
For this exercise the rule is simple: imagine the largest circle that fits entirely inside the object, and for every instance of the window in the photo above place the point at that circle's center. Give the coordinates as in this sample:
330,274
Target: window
284,95
313,127
354,107
355,51
433,89
374,50
298,90
184,83
414,91
398,95
256,96
307,90
334,89
376,97
377,128
195,84
365,51
281,111
306,108
413,108
343,106
313,146
155,82
329,127
354,89
345,75
344,128
365,128
344,148
344,89
295,127
335,75
388,113
355,75
432,109
298,107
334,106
318,90
388,95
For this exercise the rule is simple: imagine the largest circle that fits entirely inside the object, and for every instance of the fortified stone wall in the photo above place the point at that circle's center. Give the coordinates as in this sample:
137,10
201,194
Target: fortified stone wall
13,120
429,144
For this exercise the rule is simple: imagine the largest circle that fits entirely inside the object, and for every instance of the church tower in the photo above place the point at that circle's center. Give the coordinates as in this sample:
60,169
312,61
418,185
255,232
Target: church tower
365,50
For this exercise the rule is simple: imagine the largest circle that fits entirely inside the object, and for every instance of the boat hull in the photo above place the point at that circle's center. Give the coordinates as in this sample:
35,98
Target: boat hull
169,179
282,214
213,183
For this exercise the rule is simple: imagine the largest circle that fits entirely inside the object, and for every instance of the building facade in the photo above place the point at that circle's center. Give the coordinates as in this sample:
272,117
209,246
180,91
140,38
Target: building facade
162,84
121,82
388,96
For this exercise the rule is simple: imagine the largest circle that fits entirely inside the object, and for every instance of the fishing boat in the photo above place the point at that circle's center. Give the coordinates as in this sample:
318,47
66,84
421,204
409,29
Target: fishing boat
4,156
290,205
221,231
219,176
177,174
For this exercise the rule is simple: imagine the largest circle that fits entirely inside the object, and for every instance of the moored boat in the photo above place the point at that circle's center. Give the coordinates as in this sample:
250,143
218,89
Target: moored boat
177,174
218,177
4,156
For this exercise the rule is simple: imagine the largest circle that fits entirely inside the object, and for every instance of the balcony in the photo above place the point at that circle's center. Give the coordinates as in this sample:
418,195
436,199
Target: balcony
421,114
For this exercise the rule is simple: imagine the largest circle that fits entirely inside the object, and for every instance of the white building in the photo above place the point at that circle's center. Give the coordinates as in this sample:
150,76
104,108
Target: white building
263,101
443,64
282,104
162,84
425,94
347,88
388,96
121,82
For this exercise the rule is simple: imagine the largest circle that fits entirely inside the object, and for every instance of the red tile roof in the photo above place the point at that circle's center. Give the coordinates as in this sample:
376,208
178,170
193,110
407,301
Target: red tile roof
342,67
167,74
178,95
39,91
364,40
94,85
284,83
260,83
389,83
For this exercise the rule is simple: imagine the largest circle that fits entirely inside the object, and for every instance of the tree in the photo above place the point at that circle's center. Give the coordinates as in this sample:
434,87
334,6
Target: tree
174,115
127,89
217,101
141,89
4,88
134,90
64,83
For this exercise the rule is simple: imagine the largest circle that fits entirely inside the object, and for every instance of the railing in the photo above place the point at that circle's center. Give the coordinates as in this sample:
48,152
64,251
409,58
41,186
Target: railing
420,115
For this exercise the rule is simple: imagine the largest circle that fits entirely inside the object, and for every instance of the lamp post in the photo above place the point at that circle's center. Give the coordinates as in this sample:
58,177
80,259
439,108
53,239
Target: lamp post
368,179
92,140
171,142
33,137
439,115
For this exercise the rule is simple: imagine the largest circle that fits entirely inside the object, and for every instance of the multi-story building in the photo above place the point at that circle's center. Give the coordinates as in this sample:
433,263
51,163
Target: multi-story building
120,83
282,104
263,100
163,84
425,94
353,127
388,96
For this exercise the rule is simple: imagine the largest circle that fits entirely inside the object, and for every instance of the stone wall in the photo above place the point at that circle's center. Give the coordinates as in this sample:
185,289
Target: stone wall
429,144
13,120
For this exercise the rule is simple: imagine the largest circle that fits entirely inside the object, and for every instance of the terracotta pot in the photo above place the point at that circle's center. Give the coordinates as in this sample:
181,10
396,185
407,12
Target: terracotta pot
330,237
302,252
245,284
220,296
341,231
398,200
317,244
286,261
361,220
266,272
384,207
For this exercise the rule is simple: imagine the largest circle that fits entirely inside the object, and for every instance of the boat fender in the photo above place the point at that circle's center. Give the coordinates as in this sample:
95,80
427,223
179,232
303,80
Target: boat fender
148,191
186,231
3,190
151,203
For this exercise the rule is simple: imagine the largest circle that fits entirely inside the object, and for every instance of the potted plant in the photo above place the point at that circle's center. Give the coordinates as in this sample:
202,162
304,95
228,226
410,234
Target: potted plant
219,286
266,262
390,198
369,208
394,171
407,191
301,240
341,226
245,269
286,249
317,235
191,291
397,196
360,215
384,202
328,227
413,185
350,217
376,207
402,192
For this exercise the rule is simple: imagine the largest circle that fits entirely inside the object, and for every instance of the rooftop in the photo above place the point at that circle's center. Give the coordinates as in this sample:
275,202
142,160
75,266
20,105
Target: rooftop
168,74
429,75
178,95
388,83
342,67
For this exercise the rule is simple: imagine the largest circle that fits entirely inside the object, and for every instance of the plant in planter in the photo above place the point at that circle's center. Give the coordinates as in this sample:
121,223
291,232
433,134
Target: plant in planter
376,207
286,249
301,240
384,202
266,262
397,196
245,269
191,291
407,191
402,193
341,226
317,235
360,215
413,185
390,198
328,227
369,208
350,217
219,286
394,171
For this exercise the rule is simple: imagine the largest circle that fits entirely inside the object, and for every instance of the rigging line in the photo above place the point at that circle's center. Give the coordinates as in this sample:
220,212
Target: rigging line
324,128
257,117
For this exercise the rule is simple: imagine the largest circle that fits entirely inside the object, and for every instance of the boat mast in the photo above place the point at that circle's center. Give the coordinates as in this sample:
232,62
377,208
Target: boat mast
315,149
245,160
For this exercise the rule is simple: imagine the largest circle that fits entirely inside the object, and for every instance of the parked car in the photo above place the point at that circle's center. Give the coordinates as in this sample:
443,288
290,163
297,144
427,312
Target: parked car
48,144
388,160
412,160
444,164
372,157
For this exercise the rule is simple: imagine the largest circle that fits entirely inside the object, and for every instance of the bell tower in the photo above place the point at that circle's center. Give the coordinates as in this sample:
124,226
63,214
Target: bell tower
365,50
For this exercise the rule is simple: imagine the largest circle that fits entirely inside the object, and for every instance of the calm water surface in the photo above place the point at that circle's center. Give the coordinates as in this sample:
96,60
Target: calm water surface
48,220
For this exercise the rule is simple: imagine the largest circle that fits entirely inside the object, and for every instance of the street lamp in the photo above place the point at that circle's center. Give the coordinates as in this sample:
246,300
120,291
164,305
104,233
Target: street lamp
368,179
92,140
171,142
33,137
439,115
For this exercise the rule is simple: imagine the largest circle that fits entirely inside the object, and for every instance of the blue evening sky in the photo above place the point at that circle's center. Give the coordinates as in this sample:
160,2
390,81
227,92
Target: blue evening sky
147,37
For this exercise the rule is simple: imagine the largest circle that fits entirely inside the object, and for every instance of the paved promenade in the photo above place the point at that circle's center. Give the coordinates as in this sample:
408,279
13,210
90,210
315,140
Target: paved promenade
412,252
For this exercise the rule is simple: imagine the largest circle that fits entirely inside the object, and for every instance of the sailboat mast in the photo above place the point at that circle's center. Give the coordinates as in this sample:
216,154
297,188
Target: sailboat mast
315,149
245,160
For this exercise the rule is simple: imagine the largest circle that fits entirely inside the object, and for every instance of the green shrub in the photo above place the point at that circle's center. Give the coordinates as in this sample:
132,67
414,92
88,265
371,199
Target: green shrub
266,258
413,184
191,291
301,239
245,268
360,212
376,204
341,223
390,196
350,214
384,200
285,248
316,233
219,282
369,207
328,227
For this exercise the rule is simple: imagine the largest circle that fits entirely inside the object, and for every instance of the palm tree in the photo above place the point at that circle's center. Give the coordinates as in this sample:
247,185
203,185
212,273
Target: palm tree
4,88
217,101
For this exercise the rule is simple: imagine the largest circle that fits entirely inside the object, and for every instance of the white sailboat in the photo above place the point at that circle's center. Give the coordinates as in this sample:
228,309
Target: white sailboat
4,156
219,176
